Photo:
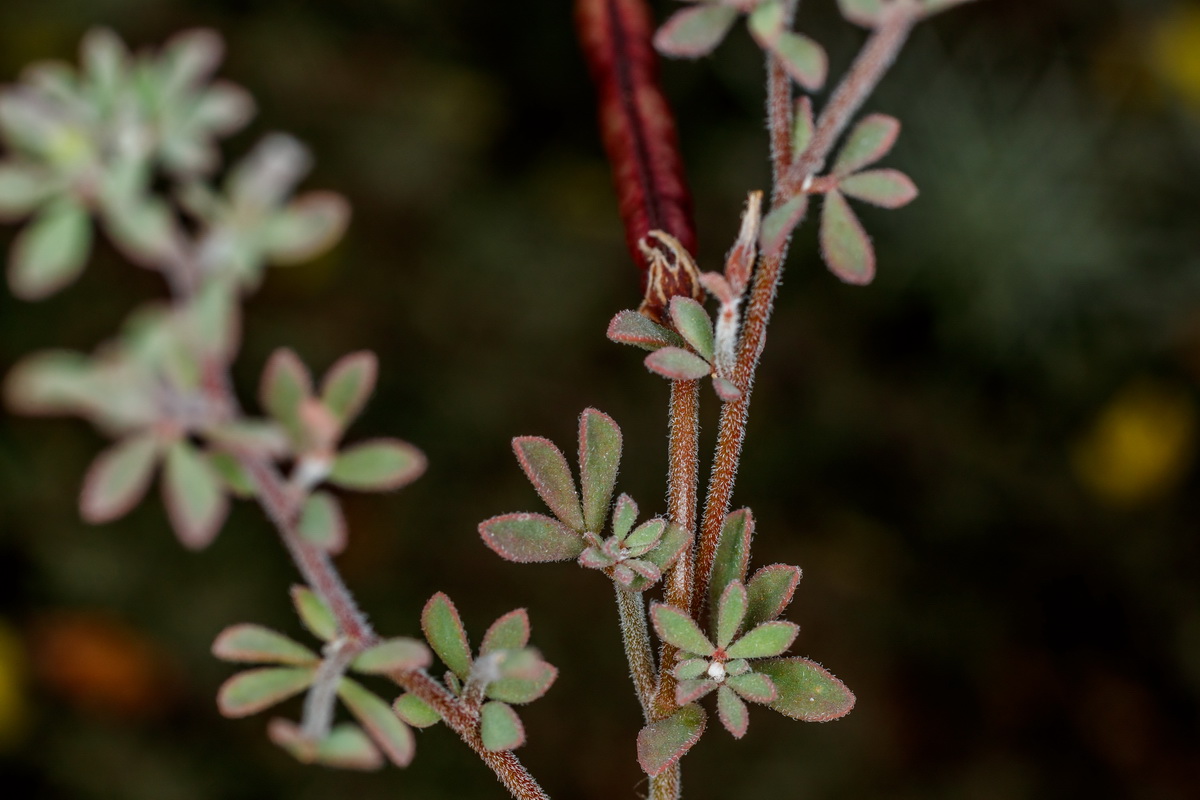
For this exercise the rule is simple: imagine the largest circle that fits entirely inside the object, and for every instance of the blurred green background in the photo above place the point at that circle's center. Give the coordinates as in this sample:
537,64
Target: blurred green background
983,462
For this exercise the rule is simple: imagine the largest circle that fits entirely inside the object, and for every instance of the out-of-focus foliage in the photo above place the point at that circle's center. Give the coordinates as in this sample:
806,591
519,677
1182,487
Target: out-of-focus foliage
913,445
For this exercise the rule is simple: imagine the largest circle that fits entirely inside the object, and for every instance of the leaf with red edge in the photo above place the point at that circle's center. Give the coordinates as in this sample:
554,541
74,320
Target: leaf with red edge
636,122
348,383
256,645
321,522
377,465
377,717
733,712
194,496
346,746
633,328
807,691
845,246
694,32
753,686
887,188
253,690
769,592
694,324
286,383
530,538
392,655
599,460
677,364
804,59
499,727
862,12
445,633
778,225
804,127
869,141
509,632
661,744
547,469
733,554
676,628
118,478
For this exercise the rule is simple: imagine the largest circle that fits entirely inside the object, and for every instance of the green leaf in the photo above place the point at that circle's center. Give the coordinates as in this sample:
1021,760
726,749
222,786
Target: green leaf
676,628
661,744
768,639
509,632
24,187
599,460
804,126
104,59
253,690
530,538
547,469
767,22
377,465
778,225
677,364
415,711
445,633
393,655
731,610
844,244
807,691
752,686
145,229
255,644
804,59
348,384
286,383
632,328
118,478
733,712
393,736
51,251
321,522
691,668
694,32
645,537
733,554
500,727
693,323
196,502
869,141
535,679
346,746
770,591
213,320
669,548
689,691
862,12
189,58
233,475
262,438
624,515
305,228
886,188
313,612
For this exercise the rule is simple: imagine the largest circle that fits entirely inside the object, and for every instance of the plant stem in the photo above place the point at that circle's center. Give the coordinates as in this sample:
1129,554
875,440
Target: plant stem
668,785
638,651
869,67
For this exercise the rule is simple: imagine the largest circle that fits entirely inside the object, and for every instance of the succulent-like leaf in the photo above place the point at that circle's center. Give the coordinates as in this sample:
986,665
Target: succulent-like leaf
725,389
499,727
661,744
694,32
691,690
593,558
189,58
731,610
766,22
633,328
694,324
346,746
887,188
536,678
807,691
677,364
306,228
599,460
530,538
770,591
196,502
23,187
509,632
255,644
691,668
414,711
393,736
321,522
313,612
546,467
862,12
625,513
778,225
869,141
260,437
768,639
645,536
253,690
233,475
348,384
733,712
844,244
804,59
377,465
445,633
51,251
392,655
803,127
286,383
753,686
733,554
118,478
669,548
676,628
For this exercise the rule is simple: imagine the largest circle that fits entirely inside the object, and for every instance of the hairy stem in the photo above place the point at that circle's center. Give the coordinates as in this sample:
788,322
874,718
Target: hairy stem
638,651
667,786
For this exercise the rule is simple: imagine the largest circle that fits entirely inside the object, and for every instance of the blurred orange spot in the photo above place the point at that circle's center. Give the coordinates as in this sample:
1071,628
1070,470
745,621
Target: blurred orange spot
101,665
1140,445
14,710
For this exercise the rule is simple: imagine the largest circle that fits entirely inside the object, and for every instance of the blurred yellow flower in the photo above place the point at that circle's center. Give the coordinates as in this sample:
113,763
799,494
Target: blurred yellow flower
1174,51
1140,445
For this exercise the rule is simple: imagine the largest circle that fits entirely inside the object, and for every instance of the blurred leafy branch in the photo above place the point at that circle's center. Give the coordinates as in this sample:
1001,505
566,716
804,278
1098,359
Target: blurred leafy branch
127,144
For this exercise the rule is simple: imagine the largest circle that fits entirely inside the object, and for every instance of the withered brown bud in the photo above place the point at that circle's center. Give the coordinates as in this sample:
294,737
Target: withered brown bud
672,273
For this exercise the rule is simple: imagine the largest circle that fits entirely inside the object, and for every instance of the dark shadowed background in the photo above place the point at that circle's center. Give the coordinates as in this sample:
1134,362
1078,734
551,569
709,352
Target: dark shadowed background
983,462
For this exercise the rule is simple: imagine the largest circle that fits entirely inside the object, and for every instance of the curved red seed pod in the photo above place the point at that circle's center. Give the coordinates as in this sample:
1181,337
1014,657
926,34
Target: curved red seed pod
636,123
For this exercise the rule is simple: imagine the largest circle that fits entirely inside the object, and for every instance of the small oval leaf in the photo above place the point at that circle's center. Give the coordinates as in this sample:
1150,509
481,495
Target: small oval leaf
694,32
886,188
530,538
377,465
599,460
195,498
869,141
500,727
377,717
313,612
392,655
251,691
661,744
676,628
118,478
415,711
677,364
445,633
547,469
255,644
844,244
807,691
